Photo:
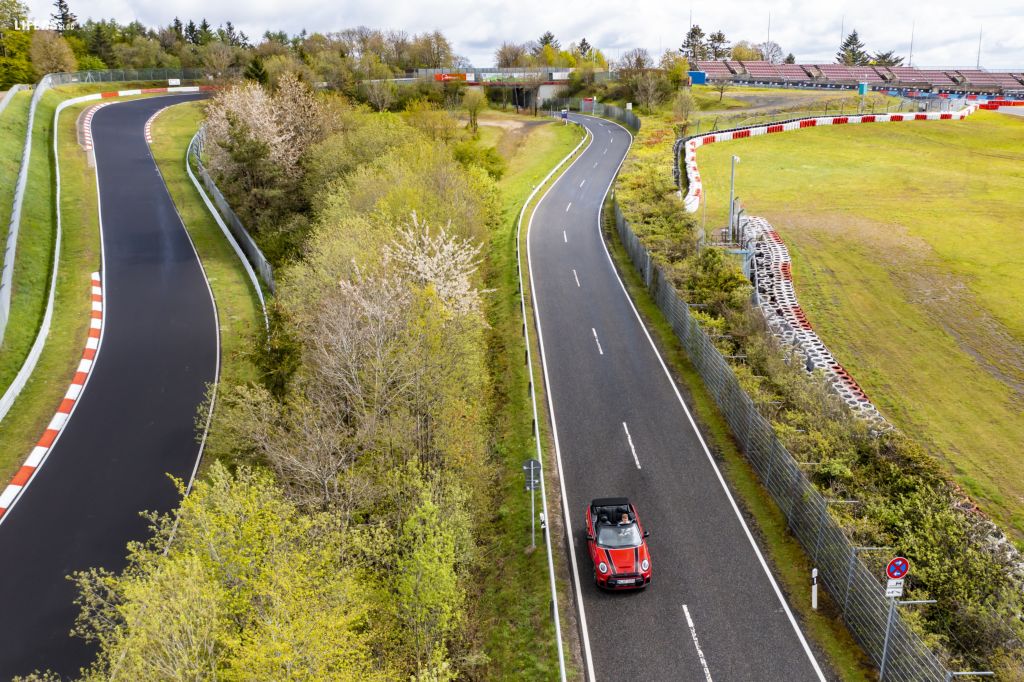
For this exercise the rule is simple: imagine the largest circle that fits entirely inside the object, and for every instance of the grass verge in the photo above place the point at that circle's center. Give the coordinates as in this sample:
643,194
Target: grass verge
239,314
898,233
824,628
514,609
13,123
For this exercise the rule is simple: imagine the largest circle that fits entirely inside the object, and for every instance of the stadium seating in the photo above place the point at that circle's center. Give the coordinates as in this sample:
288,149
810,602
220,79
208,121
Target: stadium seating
763,71
735,67
715,70
792,72
911,76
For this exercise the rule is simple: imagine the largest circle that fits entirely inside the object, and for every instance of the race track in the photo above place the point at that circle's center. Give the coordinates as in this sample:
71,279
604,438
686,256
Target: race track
712,612
135,421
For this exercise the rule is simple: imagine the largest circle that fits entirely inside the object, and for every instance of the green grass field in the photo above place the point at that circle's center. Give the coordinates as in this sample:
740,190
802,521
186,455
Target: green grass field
514,612
13,122
903,237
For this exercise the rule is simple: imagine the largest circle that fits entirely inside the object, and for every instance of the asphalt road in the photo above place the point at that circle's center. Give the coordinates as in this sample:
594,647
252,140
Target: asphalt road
602,372
135,421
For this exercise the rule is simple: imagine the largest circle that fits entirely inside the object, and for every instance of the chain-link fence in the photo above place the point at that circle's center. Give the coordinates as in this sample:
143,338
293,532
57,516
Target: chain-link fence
116,75
855,589
623,116
252,252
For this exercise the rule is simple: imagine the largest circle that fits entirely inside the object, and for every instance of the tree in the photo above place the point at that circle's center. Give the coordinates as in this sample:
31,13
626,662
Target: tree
205,33
684,105
852,52
63,20
771,51
694,47
545,40
743,51
509,55
790,59
720,87
256,72
217,57
473,101
380,93
192,33
12,13
51,53
887,59
717,45
675,67
648,88
584,48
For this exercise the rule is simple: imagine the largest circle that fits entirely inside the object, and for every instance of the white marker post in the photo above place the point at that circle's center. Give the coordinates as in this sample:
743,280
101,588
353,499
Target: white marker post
814,589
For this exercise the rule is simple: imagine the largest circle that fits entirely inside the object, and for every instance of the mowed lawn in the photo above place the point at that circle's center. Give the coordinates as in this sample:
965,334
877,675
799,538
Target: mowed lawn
905,241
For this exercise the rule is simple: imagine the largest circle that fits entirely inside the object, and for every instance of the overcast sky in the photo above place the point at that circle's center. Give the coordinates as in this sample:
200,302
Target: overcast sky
945,31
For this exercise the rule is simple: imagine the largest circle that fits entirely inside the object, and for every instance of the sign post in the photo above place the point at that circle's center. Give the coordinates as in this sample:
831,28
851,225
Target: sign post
814,589
896,571
531,468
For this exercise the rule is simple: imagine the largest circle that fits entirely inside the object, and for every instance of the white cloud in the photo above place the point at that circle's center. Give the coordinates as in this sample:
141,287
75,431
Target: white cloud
945,33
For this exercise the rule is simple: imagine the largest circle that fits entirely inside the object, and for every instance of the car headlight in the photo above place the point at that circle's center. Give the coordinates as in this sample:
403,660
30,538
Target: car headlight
644,565
602,567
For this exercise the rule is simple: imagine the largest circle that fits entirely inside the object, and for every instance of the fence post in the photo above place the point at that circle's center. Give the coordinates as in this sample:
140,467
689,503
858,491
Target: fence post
885,644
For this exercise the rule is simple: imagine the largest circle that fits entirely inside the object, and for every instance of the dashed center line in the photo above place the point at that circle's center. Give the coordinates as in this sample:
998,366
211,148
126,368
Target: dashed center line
597,341
565,237
595,163
696,643
631,448
605,150
568,207
584,180
575,277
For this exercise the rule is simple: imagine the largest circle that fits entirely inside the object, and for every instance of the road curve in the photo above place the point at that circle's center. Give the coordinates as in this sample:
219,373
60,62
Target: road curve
712,611
135,421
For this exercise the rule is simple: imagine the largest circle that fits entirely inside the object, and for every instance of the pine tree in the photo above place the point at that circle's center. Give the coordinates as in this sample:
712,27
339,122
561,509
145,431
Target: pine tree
548,39
852,52
693,47
63,19
205,34
717,45
191,33
584,48
790,59
887,59
178,28
256,72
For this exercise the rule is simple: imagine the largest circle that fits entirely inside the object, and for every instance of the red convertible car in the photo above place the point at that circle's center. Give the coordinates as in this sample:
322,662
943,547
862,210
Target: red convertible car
617,543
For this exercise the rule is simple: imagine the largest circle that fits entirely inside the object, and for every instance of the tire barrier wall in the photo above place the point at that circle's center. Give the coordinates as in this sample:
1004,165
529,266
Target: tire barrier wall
773,280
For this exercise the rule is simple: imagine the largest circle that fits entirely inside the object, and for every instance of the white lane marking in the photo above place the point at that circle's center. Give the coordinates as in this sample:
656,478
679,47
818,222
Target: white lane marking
568,207
565,237
700,437
631,447
588,657
575,277
599,349
595,163
605,152
696,643
581,183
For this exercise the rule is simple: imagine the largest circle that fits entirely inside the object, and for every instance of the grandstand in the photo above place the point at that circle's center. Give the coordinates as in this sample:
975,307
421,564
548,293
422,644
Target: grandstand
965,81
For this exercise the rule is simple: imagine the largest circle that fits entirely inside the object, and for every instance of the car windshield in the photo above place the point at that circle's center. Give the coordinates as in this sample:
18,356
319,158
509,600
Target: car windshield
614,537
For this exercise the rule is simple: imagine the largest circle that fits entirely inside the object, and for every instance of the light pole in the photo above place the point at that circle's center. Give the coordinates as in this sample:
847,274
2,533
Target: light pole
732,192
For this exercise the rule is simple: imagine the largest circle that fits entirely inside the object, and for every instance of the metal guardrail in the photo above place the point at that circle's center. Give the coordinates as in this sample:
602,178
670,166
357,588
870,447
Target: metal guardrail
9,95
248,245
854,588
115,75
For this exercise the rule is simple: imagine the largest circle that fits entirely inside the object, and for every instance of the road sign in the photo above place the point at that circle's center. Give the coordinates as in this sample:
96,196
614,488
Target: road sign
897,568
531,468
894,588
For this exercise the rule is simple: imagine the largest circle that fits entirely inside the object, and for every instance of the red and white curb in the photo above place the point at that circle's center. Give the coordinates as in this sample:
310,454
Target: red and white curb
35,460
695,189
87,126
87,142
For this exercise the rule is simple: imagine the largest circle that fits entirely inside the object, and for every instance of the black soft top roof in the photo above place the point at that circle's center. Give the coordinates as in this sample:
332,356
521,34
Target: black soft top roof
609,502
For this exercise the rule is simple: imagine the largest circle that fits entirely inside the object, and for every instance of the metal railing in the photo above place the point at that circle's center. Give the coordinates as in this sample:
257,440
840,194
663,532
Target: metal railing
857,592
248,245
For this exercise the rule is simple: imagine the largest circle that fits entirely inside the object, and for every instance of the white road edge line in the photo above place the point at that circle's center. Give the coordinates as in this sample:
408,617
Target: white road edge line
632,449
696,643
588,658
536,423
700,437
576,277
597,341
